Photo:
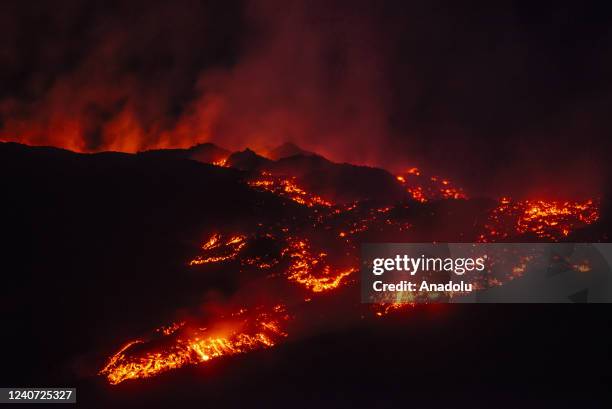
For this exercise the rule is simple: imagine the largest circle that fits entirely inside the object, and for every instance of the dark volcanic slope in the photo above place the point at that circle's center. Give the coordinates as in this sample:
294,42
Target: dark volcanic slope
248,160
204,152
97,245
287,150
338,182
341,182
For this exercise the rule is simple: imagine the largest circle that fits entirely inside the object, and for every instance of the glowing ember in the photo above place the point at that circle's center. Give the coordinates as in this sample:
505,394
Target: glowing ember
383,309
583,267
171,329
520,268
260,262
220,162
417,194
424,189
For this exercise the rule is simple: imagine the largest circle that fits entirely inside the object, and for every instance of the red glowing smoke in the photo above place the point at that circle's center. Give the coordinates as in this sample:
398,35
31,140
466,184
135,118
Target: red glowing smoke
302,75
476,93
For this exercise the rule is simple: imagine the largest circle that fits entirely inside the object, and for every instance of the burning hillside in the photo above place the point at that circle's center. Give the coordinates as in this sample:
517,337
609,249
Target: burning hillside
545,219
316,255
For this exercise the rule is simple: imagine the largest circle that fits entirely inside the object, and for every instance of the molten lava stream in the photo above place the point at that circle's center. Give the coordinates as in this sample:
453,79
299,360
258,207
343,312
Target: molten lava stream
217,250
288,188
143,359
310,270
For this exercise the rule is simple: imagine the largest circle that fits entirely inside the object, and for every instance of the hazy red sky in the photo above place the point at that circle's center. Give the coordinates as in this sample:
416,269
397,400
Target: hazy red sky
492,94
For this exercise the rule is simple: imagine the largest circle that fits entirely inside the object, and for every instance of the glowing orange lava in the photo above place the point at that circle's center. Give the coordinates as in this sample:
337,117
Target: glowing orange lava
287,187
311,270
424,189
220,162
417,194
143,359
296,261
551,220
215,250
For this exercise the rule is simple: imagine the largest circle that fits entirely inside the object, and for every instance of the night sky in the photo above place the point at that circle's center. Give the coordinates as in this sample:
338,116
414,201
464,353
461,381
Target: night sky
493,94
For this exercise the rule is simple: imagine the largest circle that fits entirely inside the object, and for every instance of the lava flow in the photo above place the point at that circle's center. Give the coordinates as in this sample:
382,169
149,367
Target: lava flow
304,264
234,335
287,187
423,189
215,250
550,220
299,265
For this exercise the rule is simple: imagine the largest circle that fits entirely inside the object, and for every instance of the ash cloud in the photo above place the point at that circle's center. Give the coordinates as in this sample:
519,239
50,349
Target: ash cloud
490,94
